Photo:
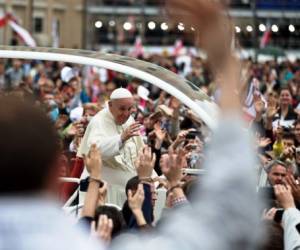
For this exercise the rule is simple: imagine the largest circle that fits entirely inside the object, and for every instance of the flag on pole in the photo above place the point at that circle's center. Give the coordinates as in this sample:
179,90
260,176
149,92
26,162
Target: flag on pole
138,49
266,37
23,34
55,33
178,46
9,19
3,21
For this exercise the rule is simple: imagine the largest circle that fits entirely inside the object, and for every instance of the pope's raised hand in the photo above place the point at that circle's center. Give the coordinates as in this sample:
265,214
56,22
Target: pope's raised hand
132,130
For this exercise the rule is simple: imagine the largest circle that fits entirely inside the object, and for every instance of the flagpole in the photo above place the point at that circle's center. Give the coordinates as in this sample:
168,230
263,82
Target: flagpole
115,28
30,16
4,28
255,23
143,29
84,24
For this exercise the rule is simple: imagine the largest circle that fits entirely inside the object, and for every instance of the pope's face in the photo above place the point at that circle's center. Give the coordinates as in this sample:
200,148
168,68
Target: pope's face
121,109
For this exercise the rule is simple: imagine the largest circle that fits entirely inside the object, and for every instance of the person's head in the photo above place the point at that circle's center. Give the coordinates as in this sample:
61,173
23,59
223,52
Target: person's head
288,139
75,83
285,97
121,105
90,110
48,87
17,64
297,131
150,120
134,83
67,92
110,87
132,184
297,158
29,148
277,172
115,215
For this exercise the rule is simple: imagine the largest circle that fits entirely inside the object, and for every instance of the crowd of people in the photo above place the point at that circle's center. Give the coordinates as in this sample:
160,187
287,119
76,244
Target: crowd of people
71,95
127,141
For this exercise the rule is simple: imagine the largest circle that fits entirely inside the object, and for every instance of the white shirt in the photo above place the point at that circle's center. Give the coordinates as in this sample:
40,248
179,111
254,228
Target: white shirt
291,217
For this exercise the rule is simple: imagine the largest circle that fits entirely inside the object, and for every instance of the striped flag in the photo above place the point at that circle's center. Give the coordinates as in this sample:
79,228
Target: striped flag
23,34
177,47
266,37
26,37
138,49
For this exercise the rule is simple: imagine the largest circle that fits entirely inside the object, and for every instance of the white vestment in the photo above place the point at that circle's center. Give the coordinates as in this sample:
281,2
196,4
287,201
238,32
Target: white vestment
118,159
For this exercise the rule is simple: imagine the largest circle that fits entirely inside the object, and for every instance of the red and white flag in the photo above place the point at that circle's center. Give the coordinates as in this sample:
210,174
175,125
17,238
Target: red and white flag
177,47
266,37
138,49
3,21
22,33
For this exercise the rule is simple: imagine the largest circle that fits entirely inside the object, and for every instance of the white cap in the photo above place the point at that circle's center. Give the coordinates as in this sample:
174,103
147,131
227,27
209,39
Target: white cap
120,93
143,92
67,74
76,114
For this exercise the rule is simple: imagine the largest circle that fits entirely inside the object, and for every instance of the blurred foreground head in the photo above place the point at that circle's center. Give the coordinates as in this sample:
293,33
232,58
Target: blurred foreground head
28,148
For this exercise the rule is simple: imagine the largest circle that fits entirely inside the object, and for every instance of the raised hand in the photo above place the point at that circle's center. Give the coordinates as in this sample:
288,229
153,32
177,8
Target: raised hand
179,139
174,164
272,109
294,184
181,136
289,152
93,162
103,230
135,201
284,196
259,105
269,214
160,133
263,142
132,130
145,163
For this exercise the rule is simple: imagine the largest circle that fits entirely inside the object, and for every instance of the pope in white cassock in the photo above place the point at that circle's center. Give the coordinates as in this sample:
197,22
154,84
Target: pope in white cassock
117,135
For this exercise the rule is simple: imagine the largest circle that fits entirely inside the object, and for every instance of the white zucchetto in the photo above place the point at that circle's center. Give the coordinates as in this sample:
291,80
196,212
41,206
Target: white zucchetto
120,93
